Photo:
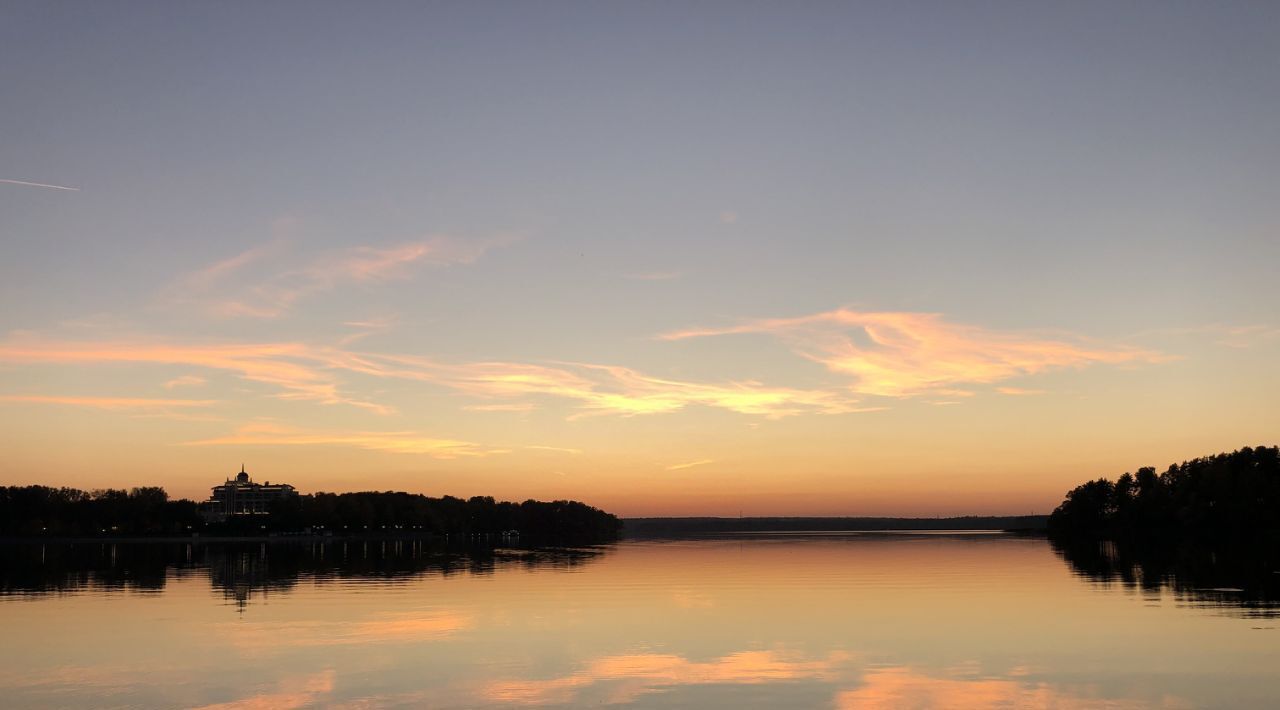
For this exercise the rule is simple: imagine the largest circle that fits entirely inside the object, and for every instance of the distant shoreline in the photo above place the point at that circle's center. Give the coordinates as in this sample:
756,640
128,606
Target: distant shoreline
632,528
675,527
203,539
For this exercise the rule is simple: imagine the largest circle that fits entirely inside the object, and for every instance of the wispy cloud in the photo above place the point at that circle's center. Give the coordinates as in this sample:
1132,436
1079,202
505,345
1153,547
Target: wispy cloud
557,449
902,354
502,407
311,373
401,442
40,184
689,464
274,288
604,389
118,404
1020,391
365,328
213,274
298,370
185,381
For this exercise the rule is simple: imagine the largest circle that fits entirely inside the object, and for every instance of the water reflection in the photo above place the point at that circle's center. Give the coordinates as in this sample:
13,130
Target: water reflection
1237,579
241,571
621,679
858,621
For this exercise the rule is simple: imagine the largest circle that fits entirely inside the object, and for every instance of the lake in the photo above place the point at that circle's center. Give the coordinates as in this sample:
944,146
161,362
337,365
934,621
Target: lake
873,620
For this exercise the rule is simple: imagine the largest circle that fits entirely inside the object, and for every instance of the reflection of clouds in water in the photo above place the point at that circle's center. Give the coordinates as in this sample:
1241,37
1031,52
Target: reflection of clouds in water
409,627
623,678
901,688
293,692
636,674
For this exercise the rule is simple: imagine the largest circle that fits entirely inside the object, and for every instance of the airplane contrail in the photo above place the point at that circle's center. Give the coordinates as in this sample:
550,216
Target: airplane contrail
40,184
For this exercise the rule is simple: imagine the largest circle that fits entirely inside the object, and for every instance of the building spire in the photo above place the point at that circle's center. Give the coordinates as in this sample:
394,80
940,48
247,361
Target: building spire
241,468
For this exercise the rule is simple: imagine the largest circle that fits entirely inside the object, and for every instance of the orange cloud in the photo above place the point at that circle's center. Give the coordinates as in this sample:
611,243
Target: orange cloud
185,381
689,464
1019,391
603,389
309,373
506,407
401,442
110,403
896,354
295,368
557,449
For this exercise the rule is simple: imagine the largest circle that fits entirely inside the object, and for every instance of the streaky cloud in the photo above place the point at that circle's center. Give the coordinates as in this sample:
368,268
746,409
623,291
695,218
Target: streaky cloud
185,381
400,442
27,183
689,464
1020,391
502,407
298,370
904,354
603,389
109,403
557,449
276,292
306,372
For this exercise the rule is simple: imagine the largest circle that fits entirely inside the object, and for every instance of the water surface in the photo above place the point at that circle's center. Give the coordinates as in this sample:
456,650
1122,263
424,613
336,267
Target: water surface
828,620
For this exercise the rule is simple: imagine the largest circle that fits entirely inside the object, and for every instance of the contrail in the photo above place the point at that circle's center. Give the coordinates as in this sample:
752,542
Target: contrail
40,184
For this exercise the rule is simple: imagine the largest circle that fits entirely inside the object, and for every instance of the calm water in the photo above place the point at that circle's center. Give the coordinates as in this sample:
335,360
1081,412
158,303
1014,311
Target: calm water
847,621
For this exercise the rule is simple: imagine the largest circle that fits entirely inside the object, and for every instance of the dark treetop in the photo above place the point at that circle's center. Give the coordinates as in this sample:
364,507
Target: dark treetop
1224,495
68,512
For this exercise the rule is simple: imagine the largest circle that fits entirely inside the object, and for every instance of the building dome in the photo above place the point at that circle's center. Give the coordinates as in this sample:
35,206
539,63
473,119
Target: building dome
242,477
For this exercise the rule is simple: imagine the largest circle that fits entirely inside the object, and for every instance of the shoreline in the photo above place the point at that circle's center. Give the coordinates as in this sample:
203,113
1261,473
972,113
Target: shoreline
198,539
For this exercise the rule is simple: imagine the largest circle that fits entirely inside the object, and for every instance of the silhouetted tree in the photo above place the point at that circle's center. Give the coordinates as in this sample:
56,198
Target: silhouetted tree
1235,493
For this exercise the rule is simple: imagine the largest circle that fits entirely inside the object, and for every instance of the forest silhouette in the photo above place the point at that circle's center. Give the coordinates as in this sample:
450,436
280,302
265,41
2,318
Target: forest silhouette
45,511
1228,494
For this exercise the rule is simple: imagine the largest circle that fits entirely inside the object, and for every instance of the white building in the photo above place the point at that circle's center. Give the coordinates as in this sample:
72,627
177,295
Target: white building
241,496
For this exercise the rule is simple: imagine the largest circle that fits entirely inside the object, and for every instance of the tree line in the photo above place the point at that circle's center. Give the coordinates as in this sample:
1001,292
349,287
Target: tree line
42,510
447,515
1235,493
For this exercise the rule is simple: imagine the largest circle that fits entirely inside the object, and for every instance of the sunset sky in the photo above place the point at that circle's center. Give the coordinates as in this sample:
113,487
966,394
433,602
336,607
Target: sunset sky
666,258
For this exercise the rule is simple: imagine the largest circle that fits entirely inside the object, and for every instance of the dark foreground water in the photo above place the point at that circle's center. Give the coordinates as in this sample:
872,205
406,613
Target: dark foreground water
785,621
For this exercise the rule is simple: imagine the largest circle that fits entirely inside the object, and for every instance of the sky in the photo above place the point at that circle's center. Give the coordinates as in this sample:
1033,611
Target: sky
740,258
